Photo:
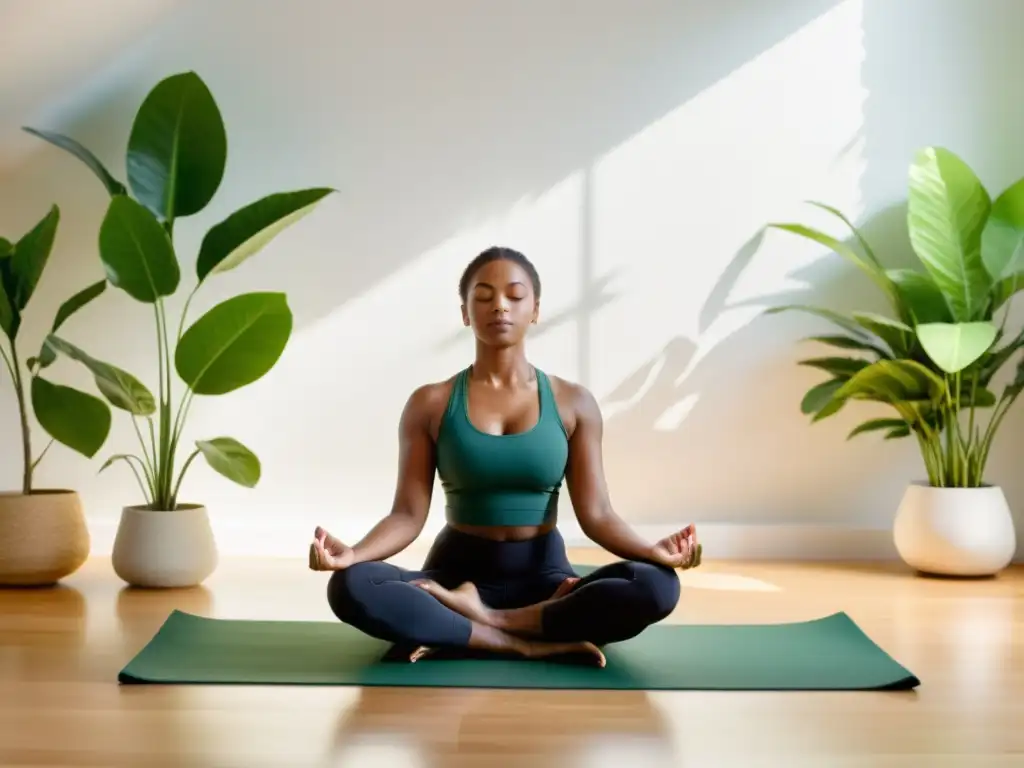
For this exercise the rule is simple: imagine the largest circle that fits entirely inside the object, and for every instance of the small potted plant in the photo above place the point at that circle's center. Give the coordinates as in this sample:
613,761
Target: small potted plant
43,533
176,157
935,361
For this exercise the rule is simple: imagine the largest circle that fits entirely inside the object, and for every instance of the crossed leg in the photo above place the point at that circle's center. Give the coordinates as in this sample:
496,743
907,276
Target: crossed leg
612,604
380,599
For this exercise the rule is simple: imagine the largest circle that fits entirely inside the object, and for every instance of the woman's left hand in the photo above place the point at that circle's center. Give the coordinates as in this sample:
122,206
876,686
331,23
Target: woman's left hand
679,550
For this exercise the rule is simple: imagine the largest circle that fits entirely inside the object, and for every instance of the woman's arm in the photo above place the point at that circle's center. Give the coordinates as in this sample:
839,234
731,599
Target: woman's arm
415,483
588,491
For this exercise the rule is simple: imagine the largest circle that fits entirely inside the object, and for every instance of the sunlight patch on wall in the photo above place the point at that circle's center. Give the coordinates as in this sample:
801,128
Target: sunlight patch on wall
641,278
677,209
345,378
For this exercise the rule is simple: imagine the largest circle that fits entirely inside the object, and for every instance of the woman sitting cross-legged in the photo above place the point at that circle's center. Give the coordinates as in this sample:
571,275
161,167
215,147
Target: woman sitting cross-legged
502,436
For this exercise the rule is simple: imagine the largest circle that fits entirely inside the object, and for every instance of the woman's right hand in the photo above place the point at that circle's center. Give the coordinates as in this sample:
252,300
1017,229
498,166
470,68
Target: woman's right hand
328,553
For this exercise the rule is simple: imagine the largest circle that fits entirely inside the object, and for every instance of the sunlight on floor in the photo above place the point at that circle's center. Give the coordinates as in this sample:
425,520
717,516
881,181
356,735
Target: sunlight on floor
725,582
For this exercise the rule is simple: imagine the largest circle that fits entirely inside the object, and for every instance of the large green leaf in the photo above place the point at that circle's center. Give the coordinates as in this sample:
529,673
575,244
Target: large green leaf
848,342
7,282
136,251
893,381
1002,240
875,425
997,358
820,395
979,397
922,301
76,302
73,418
231,459
831,408
30,255
1006,288
123,390
48,354
1016,386
947,210
839,367
247,230
868,251
844,322
235,343
8,316
896,334
112,185
954,346
872,270
903,430
177,149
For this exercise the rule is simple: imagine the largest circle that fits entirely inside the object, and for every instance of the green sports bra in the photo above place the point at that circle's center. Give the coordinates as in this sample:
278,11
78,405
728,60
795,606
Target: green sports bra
501,479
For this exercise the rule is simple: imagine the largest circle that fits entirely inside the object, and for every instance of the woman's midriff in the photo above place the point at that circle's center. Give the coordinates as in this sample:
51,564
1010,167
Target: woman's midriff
504,533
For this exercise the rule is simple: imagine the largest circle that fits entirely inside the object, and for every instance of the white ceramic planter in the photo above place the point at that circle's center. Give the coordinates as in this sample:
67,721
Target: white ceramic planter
955,531
164,549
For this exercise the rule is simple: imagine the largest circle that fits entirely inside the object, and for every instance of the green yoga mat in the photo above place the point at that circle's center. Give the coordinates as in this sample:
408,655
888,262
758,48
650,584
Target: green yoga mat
830,653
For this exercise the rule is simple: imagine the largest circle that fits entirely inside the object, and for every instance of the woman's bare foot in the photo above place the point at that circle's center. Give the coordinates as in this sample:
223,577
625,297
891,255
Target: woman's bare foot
492,639
464,599
565,587
419,653
586,651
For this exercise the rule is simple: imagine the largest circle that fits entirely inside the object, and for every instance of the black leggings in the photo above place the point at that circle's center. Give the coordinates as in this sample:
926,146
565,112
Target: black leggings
614,603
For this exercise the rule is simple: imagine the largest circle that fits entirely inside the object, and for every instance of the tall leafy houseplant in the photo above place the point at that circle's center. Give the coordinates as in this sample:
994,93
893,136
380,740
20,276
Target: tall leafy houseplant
43,535
934,361
76,419
175,161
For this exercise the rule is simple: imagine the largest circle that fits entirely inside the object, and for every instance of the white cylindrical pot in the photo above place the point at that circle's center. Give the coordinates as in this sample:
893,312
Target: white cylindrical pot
164,549
955,531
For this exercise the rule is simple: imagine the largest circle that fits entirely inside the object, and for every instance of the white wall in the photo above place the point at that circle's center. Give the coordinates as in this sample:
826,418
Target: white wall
633,150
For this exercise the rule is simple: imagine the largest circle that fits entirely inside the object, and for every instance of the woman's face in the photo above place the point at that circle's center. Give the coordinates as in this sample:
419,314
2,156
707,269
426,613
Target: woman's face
500,304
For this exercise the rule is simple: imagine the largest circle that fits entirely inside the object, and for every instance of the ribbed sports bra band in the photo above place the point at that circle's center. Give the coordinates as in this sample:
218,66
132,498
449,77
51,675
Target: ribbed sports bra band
500,480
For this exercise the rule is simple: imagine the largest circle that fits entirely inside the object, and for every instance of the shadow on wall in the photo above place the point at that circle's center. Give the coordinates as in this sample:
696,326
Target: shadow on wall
716,432
430,119
437,120
726,440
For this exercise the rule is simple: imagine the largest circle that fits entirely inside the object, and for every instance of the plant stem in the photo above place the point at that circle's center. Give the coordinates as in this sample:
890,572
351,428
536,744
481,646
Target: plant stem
184,311
7,361
147,496
974,395
39,458
1001,409
183,407
146,461
26,433
145,452
164,452
181,476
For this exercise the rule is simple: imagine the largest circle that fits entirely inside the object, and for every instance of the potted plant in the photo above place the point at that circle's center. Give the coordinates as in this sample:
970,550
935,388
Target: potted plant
176,157
933,363
43,534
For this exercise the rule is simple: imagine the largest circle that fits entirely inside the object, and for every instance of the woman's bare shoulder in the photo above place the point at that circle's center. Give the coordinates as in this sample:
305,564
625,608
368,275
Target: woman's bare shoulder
575,401
427,403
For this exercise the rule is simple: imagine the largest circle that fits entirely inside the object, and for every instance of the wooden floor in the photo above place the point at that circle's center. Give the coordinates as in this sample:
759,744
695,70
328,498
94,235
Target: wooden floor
60,651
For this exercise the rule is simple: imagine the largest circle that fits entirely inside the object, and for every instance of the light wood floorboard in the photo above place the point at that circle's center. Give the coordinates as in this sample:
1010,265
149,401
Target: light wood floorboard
60,705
